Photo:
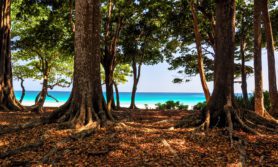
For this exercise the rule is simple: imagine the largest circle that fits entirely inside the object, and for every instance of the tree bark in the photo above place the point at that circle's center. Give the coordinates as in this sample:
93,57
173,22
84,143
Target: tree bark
40,99
23,90
85,106
224,62
109,70
48,95
258,99
109,58
136,78
273,92
117,95
221,110
199,50
8,101
243,71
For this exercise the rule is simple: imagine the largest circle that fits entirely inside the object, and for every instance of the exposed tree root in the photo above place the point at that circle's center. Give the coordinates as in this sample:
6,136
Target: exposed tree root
46,158
247,121
3,108
257,119
166,144
22,127
67,118
77,134
190,121
20,163
22,149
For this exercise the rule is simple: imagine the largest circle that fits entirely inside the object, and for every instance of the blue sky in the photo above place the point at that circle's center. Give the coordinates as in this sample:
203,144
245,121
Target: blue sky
158,78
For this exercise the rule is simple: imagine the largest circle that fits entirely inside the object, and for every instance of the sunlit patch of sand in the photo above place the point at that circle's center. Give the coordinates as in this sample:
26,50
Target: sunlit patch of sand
4,123
4,143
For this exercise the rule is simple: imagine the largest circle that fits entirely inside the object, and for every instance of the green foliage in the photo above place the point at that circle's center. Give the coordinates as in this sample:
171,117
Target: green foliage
144,35
180,50
266,101
240,102
121,72
40,42
250,103
171,105
274,23
200,106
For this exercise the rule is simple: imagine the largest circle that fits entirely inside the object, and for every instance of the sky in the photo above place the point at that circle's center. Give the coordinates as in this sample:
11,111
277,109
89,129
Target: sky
158,78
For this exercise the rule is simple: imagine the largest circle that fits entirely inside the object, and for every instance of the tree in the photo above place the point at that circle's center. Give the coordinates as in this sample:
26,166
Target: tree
21,73
143,37
7,98
45,59
200,54
273,92
49,66
117,12
223,92
258,98
221,110
121,72
183,39
85,104
244,43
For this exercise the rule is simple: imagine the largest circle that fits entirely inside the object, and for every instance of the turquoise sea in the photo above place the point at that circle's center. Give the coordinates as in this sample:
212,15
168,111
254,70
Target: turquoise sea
142,98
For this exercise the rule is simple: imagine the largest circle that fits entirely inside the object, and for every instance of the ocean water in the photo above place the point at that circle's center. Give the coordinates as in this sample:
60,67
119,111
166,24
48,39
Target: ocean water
142,98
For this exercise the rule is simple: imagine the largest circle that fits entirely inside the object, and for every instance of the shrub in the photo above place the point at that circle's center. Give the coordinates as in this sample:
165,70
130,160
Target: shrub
200,106
240,103
266,101
171,105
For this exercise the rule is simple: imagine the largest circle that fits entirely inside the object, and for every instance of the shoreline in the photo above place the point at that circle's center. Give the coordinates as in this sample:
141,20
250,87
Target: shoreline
140,106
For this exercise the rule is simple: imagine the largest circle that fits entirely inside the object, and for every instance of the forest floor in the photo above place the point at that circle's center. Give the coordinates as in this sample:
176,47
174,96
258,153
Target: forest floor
141,138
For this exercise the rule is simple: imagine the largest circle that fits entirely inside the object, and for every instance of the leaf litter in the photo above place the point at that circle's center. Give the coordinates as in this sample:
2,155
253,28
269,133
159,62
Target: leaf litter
140,138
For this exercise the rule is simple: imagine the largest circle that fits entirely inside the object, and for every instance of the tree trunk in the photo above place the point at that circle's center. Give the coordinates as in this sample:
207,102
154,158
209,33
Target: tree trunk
52,97
109,70
273,92
40,99
23,90
243,71
221,110
224,62
7,98
117,95
258,99
199,50
85,104
136,77
109,59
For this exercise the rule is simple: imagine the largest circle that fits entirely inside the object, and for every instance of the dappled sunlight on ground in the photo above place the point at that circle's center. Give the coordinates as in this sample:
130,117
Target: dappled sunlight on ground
140,138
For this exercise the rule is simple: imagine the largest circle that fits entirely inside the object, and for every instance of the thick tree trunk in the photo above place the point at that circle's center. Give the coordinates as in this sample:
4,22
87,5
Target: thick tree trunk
109,70
117,96
258,99
199,50
22,90
136,78
243,71
273,92
224,62
7,97
86,102
221,110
